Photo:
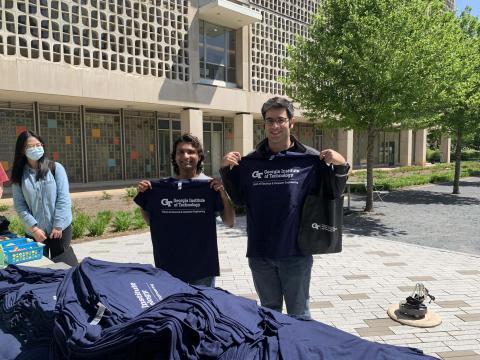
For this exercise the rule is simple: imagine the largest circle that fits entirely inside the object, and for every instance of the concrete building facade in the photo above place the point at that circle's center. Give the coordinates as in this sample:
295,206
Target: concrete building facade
110,84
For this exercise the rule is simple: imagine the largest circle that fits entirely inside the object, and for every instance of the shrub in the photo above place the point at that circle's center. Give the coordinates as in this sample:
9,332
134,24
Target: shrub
131,192
107,215
470,154
16,226
433,156
98,225
4,207
138,222
79,224
106,195
122,221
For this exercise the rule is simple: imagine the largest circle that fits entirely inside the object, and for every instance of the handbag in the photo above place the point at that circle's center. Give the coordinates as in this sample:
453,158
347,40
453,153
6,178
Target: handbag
321,224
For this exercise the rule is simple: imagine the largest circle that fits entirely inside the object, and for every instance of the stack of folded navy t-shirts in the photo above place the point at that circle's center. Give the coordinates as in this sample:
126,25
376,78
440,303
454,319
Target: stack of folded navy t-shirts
109,310
27,303
132,311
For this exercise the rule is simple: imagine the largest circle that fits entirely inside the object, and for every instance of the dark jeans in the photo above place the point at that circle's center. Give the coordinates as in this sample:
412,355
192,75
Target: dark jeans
59,250
285,278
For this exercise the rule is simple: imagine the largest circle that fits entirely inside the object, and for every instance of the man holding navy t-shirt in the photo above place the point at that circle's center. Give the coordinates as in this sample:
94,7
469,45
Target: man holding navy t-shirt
181,212
273,182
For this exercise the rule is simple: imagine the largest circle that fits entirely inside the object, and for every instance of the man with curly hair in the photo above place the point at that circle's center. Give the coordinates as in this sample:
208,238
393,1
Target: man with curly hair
181,212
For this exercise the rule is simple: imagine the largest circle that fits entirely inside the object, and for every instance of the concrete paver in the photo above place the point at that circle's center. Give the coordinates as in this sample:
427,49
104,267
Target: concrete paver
352,290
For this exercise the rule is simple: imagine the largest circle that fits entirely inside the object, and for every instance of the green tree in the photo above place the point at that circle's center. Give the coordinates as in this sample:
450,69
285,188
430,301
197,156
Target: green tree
373,65
462,116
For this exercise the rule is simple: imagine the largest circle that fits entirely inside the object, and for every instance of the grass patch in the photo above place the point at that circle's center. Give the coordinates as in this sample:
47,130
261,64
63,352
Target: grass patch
414,175
4,207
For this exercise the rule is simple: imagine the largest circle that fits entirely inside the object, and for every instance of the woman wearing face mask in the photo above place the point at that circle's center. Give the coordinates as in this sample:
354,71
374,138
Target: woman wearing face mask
42,199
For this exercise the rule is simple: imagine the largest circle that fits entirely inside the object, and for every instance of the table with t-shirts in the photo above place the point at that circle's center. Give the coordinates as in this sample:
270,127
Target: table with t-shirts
100,310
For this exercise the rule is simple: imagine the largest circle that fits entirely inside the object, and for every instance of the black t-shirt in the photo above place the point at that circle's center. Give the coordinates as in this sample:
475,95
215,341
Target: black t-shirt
183,226
274,190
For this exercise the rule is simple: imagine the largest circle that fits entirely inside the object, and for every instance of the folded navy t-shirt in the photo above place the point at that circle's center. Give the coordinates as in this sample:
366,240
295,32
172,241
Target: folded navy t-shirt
183,226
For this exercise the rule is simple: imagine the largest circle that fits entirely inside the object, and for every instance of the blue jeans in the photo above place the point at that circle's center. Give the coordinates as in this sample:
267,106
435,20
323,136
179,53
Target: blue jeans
206,281
289,278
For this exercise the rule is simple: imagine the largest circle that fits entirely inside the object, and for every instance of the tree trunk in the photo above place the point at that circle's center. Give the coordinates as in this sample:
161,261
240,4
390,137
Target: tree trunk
370,146
458,159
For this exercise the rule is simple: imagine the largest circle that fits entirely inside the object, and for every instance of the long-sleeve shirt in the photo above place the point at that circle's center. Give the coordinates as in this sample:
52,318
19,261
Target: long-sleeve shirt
45,203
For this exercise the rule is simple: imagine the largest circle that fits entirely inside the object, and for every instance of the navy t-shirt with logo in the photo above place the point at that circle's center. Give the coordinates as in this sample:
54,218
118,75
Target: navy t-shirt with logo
275,189
183,226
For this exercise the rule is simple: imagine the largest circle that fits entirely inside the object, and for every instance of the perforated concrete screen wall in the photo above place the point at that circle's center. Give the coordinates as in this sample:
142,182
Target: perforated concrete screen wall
282,20
137,37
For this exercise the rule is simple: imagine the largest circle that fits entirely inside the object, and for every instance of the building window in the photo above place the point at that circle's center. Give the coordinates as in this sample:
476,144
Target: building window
61,129
169,130
217,53
140,145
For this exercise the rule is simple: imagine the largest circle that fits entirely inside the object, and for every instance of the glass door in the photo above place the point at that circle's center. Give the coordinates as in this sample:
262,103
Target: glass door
213,147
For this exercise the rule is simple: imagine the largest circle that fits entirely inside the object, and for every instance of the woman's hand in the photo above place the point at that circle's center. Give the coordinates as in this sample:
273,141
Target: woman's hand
38,234
56,233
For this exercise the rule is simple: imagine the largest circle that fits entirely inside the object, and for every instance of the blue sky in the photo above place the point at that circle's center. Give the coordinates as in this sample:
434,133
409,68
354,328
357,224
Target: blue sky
474,4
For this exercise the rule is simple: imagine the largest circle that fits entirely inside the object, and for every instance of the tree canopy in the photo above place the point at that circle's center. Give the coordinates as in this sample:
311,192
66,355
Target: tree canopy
374,65
461,114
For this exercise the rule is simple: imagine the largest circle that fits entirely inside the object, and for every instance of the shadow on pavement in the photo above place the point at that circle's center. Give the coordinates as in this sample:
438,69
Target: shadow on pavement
475,183
416,197
239,229
361,223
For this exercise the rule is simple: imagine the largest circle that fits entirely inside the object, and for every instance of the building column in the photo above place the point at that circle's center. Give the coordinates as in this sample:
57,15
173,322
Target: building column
192,122
243,133
445,145
421,147
345,144
242,57
406,147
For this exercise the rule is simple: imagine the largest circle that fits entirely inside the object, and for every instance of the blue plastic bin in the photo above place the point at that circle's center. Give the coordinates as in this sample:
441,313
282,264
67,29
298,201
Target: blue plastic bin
21,251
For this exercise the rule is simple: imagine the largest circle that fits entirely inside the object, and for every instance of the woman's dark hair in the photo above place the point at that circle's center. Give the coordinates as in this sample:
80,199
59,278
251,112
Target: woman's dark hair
19,161
190,139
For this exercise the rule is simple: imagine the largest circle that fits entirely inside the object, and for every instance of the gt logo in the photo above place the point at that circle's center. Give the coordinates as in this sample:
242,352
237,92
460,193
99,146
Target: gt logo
315,226
166,202
324,227
257,174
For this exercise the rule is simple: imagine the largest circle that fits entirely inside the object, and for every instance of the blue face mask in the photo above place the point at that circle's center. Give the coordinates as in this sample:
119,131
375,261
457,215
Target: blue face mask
34,153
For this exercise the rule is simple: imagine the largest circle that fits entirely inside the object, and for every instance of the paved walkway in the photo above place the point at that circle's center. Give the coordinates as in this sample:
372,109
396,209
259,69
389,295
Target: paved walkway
352,290
427,215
